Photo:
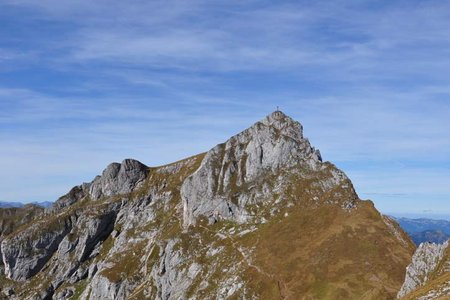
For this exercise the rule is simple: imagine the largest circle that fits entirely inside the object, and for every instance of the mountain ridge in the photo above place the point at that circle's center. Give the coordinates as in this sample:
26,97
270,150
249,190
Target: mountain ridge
12,204
258,216
426,230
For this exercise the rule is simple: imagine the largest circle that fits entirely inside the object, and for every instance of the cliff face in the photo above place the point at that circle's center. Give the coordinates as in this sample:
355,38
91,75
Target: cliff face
259,216
428,274
12,218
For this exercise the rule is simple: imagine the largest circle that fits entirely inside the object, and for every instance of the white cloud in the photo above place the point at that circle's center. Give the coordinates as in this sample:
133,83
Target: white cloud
160,80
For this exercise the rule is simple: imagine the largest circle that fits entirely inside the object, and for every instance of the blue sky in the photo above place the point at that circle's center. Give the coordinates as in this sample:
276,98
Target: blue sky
83,84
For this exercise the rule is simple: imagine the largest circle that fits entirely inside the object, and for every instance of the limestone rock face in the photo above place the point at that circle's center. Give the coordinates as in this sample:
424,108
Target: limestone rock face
118,179
274,143
75,194
424,262
25,253
105,289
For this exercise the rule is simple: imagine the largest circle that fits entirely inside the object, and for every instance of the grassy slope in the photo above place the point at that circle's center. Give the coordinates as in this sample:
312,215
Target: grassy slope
327,253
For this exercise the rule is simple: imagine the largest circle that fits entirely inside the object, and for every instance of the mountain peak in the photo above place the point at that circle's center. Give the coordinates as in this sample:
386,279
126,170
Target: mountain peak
278,114
256,217
278,117
268,146
284,124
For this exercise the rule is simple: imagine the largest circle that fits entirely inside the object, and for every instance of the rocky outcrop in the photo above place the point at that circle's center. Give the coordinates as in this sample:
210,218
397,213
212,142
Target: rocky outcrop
424,263
274,143
118,179
103,288
171,282
13,217
75,194
25,253
67,242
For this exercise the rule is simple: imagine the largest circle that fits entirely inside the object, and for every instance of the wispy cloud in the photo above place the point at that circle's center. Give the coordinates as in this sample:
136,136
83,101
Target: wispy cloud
85,83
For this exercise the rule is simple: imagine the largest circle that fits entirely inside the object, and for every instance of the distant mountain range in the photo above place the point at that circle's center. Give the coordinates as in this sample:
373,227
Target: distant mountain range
9,204
426,230
5,204
435,236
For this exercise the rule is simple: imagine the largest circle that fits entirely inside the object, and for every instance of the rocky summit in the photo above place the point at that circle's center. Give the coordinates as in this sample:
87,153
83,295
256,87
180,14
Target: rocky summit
260,216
